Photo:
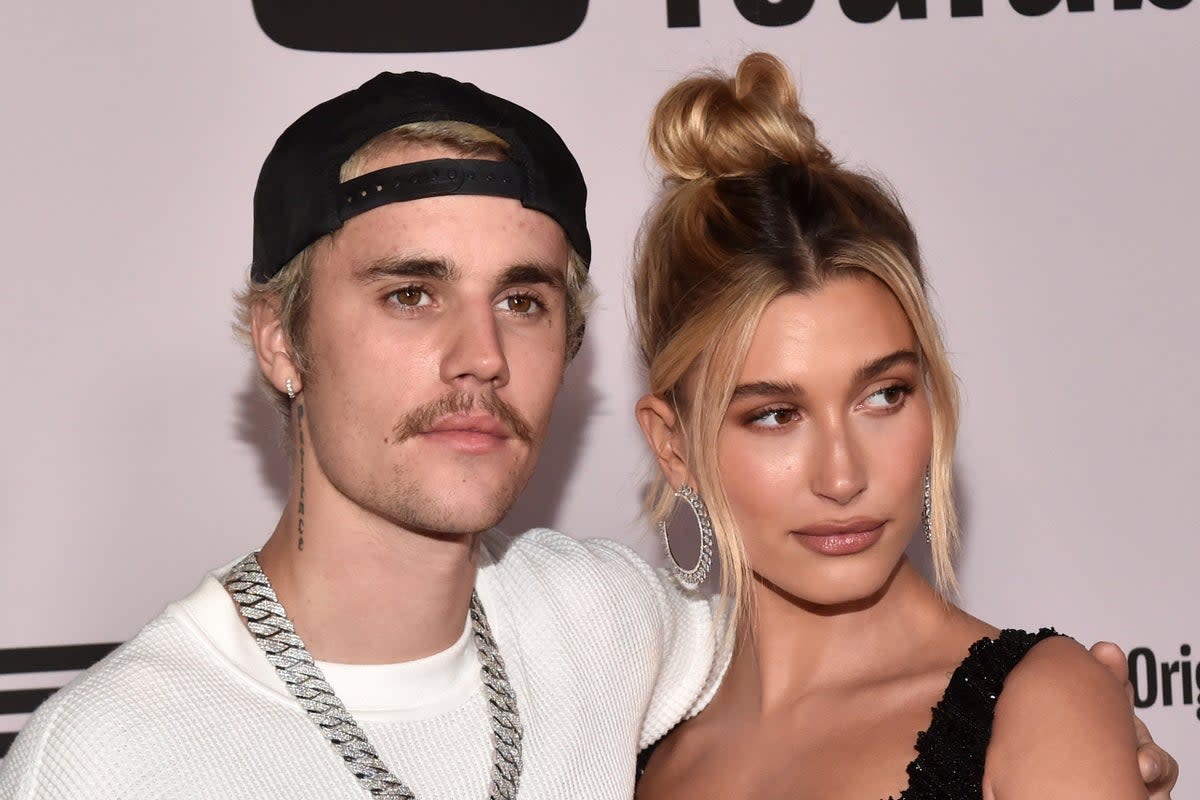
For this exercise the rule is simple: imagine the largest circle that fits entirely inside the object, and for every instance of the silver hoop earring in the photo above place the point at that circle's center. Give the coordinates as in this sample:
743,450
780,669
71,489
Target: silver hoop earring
927,512
291,391
691,578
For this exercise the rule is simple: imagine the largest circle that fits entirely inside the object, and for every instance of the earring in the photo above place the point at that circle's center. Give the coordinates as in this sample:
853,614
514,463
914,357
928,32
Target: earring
291,391
927,512
691,578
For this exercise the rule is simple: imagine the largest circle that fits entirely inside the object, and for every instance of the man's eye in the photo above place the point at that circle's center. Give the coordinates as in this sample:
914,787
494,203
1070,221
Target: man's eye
521,304
411,296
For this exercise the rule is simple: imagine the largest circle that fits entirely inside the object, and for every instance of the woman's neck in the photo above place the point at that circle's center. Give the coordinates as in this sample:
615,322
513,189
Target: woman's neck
788,648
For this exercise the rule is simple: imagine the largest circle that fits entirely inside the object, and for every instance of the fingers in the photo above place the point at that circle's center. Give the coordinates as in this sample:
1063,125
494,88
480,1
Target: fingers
1159,770
1149,764
1143,733
1113,658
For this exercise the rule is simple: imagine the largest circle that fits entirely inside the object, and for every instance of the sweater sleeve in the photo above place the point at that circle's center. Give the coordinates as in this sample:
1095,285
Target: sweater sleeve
20,767
694,647
669,651
52,757
694,652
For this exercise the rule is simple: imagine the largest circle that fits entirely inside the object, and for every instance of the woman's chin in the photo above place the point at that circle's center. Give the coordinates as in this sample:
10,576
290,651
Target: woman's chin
836,590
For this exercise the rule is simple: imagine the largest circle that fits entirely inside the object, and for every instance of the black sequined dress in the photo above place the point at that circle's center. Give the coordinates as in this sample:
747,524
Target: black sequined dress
951,752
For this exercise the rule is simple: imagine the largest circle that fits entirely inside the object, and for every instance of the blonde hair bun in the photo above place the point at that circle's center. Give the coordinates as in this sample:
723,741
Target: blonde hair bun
717,126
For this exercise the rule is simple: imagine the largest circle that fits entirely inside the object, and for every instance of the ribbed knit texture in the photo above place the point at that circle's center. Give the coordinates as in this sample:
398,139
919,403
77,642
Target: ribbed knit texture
605,655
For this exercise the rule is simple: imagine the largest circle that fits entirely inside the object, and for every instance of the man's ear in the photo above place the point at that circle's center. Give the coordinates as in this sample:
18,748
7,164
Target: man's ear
660,426
271,346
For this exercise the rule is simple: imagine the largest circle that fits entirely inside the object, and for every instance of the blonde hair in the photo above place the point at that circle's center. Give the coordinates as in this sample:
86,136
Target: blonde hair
754,206
289,291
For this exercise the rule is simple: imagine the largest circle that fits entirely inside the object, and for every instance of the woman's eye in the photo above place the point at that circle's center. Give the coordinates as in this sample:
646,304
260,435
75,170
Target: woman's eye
888,397
774,418
521,304
411,296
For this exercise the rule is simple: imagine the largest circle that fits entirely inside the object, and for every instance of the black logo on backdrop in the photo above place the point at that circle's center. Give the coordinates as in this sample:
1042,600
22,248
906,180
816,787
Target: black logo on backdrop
1157,681
417,26
33,660
434,26
773,13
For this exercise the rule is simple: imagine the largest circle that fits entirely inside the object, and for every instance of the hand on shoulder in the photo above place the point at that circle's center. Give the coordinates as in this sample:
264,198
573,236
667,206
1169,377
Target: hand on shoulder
1062,729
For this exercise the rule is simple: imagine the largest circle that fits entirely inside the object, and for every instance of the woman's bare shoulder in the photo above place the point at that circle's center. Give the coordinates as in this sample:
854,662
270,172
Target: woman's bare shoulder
1062,729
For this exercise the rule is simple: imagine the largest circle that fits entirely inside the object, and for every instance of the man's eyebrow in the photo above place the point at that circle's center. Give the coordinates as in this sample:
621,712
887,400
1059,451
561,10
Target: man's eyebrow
407,267
532,273
873,369
766,389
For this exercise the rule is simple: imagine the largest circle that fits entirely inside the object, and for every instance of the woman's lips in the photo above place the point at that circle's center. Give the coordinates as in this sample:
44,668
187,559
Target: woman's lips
840,539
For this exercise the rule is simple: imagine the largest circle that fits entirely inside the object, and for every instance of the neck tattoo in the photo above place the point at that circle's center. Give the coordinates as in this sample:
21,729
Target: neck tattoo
276,635
300,509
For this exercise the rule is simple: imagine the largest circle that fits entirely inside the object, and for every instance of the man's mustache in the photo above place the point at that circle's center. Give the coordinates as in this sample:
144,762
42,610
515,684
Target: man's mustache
422,418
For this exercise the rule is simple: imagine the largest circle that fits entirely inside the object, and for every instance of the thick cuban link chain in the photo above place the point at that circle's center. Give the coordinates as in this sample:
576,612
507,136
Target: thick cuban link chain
269,623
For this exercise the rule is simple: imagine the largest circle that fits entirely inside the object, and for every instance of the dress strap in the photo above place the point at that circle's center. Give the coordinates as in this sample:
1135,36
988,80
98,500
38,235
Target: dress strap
951,753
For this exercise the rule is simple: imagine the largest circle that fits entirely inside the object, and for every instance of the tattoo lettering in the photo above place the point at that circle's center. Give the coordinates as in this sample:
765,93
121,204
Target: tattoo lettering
300,514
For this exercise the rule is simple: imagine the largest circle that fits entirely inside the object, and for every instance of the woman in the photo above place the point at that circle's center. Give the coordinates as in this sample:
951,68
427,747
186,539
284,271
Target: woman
799,385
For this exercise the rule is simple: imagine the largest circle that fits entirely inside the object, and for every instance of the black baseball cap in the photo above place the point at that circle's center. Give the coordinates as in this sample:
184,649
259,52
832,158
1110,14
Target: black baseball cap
299,197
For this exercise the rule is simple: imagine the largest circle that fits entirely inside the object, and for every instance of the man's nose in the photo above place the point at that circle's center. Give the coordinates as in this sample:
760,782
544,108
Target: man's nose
474,355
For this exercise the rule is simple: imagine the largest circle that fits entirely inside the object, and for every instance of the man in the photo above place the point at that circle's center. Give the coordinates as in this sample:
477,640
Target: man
417,289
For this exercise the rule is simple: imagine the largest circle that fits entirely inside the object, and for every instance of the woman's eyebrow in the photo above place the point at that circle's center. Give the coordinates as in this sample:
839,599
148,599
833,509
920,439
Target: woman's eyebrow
870,370
873,369
766,389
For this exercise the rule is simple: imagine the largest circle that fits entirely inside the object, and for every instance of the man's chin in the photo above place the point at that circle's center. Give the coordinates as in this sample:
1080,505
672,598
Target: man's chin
444,536
445,499
447,519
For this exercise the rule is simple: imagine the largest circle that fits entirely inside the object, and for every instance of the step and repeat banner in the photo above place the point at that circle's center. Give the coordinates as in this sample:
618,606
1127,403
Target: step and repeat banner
1046,150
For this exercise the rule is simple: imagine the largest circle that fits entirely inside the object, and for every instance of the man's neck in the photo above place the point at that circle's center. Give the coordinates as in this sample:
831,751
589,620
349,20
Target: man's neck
363,591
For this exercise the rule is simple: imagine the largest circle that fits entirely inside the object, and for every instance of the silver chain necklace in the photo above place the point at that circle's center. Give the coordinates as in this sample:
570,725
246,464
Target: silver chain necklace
275,634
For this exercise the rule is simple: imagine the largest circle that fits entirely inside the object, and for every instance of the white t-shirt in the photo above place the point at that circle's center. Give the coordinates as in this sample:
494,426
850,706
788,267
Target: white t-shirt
604,654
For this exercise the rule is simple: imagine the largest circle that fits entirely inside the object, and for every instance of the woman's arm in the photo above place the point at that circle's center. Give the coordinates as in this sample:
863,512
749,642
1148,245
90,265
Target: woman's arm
1062,729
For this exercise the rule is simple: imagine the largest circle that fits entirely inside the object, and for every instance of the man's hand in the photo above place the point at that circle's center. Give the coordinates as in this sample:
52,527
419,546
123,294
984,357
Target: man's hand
1159,770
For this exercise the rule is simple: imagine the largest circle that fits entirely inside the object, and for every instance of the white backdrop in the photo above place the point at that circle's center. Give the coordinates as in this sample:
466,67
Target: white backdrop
1050,164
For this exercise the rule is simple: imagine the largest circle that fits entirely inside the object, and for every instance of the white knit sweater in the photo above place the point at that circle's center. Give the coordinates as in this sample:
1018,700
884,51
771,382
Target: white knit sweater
605,655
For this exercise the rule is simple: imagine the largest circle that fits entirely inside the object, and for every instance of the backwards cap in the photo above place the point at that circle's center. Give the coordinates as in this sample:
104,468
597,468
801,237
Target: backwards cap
299,197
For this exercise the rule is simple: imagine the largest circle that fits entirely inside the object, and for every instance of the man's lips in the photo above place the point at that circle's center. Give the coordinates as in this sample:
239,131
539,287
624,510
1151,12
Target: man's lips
467,423
841,538
468,434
